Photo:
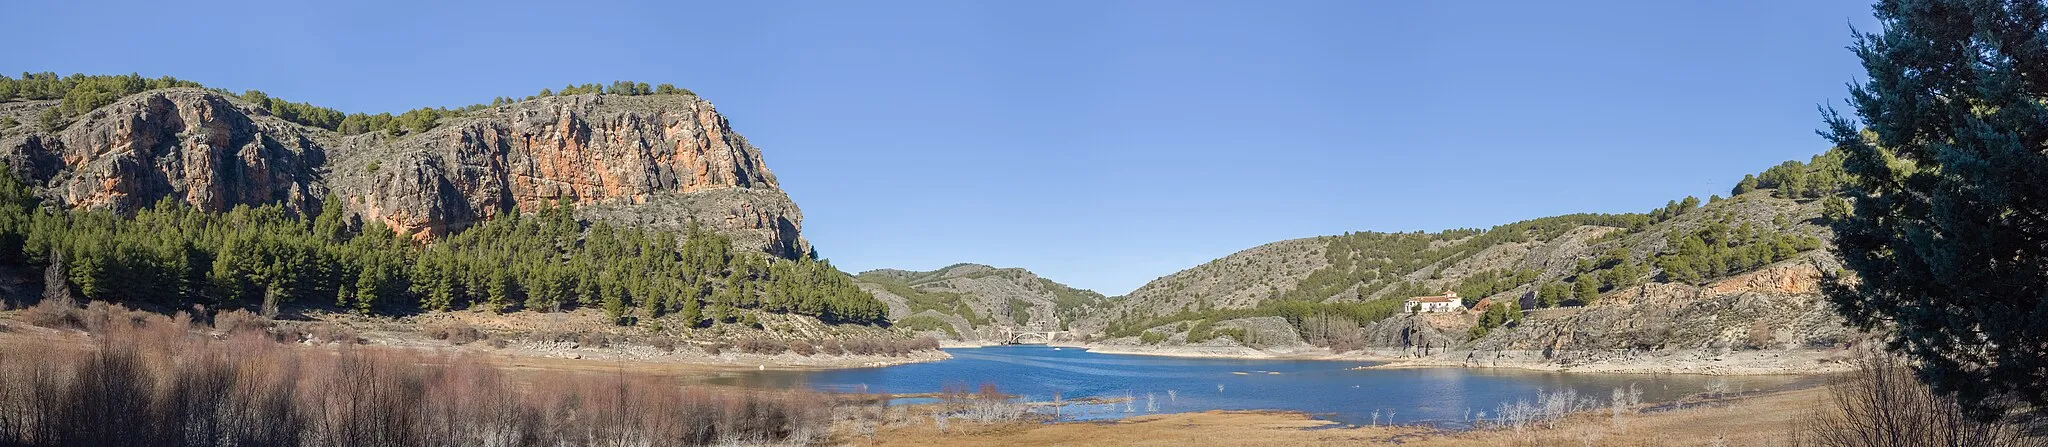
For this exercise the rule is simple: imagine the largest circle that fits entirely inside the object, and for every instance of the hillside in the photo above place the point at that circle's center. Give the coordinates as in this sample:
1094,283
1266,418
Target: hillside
971,301
1736,274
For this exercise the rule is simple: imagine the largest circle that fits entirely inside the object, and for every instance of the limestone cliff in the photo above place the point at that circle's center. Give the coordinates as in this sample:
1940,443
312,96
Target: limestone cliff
659,160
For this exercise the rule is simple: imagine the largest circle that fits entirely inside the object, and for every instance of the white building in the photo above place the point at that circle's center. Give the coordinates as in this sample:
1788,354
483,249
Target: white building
1449,302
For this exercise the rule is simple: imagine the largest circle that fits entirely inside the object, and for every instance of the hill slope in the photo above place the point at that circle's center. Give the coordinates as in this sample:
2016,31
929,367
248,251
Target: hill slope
970,301
1728,275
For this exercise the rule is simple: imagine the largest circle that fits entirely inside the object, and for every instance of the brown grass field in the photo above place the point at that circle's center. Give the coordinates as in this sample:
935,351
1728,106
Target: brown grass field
1763,420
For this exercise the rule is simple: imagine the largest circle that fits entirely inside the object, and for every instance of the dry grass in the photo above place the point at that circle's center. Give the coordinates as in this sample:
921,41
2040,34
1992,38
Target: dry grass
146,379
1766,420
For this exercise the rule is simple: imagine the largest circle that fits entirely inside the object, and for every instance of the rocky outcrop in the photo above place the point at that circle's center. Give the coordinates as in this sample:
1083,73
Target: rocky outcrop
663,161
192,145
1417,334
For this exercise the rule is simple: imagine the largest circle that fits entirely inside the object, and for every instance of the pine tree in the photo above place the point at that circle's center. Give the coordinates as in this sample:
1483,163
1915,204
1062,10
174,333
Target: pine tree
1948,237
1585,290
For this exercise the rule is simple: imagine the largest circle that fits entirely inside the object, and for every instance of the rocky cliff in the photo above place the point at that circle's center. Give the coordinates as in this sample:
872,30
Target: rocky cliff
658,160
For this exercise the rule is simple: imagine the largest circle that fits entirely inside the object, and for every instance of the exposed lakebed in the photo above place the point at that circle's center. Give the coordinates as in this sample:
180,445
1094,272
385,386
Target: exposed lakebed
1323,388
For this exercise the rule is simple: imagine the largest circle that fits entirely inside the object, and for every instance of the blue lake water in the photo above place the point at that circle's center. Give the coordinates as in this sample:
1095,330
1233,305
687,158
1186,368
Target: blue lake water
1326,389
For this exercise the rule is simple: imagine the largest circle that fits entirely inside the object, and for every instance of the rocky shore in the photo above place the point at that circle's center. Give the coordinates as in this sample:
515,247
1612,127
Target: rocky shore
1764,362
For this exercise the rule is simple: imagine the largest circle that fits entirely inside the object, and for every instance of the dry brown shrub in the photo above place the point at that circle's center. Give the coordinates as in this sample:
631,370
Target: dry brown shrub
761,345
237,320
593,340
832,347
157,382
51,314
925,343
1880,403
665,344
333,333
459,334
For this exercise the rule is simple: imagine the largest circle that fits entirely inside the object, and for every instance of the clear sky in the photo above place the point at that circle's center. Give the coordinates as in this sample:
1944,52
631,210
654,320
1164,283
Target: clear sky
1101,144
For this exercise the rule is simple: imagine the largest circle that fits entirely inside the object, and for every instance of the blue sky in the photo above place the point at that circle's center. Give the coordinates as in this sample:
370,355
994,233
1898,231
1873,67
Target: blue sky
1102,144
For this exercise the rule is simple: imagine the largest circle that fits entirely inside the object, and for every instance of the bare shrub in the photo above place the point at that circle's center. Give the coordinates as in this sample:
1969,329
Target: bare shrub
458,334
1761,336
802,348
593,340
1880,403
237,320
986,404
761,345
1338,333
832,347
333,333
665,344
156,382
714,348
1546,410
101,317
1623,401
57,283
863,346
924,343
51,314
497,343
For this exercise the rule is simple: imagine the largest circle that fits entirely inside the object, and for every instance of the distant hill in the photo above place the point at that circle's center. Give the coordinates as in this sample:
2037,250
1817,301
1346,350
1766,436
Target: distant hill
1717,273
966,301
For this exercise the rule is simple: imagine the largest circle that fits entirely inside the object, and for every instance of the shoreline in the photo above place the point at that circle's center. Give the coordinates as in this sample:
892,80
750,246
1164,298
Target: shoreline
1796,362
560,356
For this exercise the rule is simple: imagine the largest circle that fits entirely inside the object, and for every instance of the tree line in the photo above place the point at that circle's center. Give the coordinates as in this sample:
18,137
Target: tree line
1717,249
172,254
1822,176
82,93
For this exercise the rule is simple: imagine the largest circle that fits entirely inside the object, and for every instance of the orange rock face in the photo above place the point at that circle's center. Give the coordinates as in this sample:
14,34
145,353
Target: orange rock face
189,144
215,152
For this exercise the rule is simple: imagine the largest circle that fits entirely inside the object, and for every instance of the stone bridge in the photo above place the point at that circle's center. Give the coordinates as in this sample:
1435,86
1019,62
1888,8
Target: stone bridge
1027,336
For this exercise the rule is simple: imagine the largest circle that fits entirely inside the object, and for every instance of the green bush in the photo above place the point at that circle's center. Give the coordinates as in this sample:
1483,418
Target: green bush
923,323
1151,338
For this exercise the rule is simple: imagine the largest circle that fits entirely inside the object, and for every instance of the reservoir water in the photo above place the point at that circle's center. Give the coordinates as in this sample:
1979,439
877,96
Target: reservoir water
1325,389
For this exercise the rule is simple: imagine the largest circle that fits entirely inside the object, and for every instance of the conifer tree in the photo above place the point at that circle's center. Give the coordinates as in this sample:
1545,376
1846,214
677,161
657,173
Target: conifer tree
1948,239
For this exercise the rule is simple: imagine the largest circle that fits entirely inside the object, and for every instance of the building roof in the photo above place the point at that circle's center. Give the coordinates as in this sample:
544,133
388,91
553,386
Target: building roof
1434,299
